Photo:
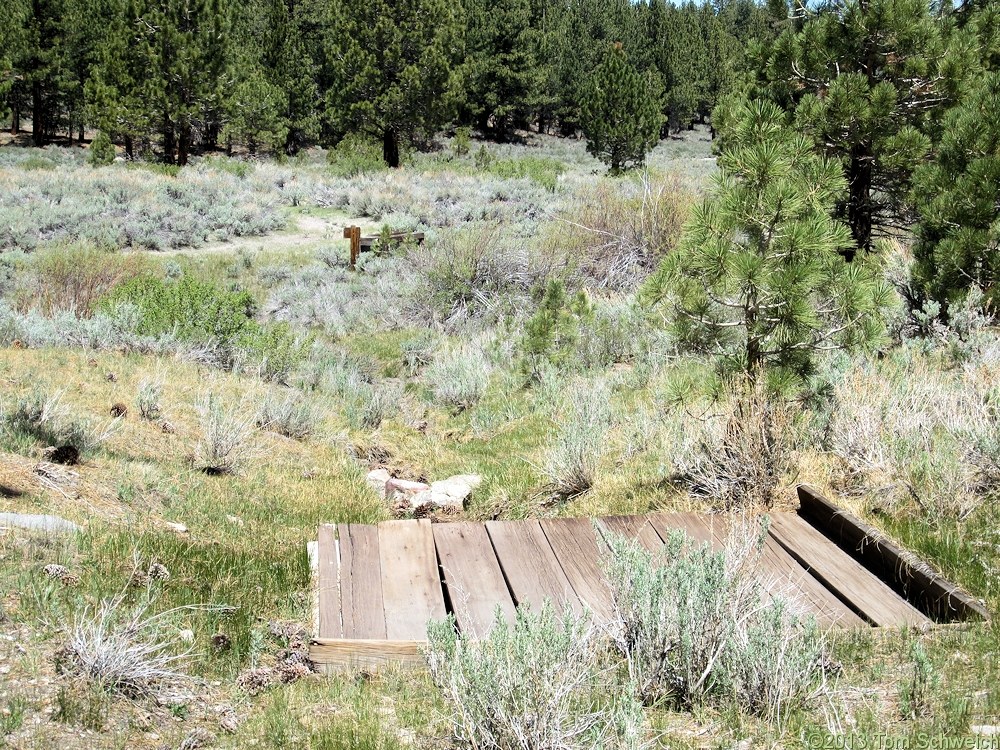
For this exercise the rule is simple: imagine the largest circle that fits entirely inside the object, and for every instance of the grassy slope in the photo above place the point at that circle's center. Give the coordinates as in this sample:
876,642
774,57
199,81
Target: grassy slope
246,547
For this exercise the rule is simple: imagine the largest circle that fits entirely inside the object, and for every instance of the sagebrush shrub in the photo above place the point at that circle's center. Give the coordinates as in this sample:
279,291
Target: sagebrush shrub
695,625
227,441
572,461
291,415
459,377
537,683
737,457
148,399
917,433
45,418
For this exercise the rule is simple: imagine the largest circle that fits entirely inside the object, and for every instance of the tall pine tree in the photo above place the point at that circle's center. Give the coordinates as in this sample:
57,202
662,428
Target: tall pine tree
396,68
621,112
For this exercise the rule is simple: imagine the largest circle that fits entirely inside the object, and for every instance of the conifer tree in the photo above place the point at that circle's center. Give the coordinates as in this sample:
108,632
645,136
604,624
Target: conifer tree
958,201
867,79
502,80
621,112
254,111
395,63
758,278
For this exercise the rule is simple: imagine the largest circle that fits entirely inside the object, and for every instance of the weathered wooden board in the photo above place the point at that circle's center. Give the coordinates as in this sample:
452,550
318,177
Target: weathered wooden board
579,551
337,654
533,573
411,583
362,611
633,527
844,576
476,585
909,577
328,574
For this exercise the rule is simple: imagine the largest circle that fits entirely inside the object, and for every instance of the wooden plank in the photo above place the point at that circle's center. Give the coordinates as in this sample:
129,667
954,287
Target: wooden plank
328,575
476,585
907,575
576,546
337,654
533,573
633,527
411,584
856,586
361,582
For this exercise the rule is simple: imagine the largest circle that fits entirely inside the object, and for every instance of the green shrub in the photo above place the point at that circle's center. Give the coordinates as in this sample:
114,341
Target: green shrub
543,171
551,334
157,167
102,150
236,167
463,138
536,683
201,312
36,163
354,156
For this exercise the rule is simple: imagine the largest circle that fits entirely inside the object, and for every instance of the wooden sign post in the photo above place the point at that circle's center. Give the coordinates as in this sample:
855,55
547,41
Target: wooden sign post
354,235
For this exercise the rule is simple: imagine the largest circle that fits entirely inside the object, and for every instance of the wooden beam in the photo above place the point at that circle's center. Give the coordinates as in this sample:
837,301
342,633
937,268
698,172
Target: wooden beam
338,654
907,575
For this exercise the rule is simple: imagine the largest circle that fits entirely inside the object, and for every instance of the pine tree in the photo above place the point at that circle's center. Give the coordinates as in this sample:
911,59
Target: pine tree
254,111
395,64
501,73
184,43
119,91
867,80
958,201
621,113
759,278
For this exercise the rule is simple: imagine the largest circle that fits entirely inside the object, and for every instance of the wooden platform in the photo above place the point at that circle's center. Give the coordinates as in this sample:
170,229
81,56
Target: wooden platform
379,585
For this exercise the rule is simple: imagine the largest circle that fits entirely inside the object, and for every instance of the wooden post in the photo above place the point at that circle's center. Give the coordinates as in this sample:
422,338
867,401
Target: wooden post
354,235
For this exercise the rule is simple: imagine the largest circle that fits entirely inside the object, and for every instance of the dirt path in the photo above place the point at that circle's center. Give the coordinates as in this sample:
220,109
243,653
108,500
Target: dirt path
303,231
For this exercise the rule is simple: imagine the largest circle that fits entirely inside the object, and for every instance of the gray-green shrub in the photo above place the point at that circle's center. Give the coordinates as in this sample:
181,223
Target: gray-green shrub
148,399
226,444
572,461
696,626
458,377
538,683
291,415
44,417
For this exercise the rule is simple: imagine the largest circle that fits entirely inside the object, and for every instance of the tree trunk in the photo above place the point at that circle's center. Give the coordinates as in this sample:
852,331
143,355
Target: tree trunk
859,201
183,145
390,147
37,115
169,143
129,148
15,118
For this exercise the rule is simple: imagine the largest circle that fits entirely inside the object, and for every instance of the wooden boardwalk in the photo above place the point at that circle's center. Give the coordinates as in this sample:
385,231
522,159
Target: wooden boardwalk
379,585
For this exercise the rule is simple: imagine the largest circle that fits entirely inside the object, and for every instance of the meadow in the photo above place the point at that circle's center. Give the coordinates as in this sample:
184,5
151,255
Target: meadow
229,382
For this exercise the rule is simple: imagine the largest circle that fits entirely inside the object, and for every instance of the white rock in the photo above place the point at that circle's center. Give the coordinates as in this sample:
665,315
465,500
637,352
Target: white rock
404,487
177,527
377,480
186,635
453,491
